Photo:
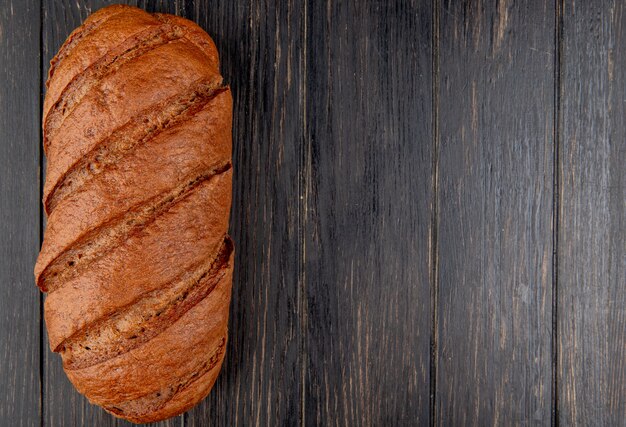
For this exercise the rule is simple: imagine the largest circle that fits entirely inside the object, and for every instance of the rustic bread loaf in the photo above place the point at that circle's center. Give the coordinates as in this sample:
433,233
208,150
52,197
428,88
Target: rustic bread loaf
136,259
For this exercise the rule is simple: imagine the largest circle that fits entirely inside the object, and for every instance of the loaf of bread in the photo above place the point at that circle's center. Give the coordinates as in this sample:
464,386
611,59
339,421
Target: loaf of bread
136,259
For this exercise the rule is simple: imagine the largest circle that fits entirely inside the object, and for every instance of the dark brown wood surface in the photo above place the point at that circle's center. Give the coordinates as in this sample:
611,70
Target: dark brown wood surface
429,210
592,216
496,68
20,384
368,207
261,53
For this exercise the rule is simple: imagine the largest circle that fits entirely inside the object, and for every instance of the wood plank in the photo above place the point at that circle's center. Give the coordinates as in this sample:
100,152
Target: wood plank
19,213
495,209
592,220
62,404
368,198
260,45
160,6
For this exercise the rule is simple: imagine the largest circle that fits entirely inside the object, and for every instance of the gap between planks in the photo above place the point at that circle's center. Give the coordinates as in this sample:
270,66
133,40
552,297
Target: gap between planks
556,193
434,225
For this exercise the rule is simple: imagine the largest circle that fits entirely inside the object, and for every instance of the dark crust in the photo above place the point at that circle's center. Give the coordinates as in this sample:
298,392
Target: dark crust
137,409
83,82
79,34
98,241
144,319
138,130
177,241
163,360
160,73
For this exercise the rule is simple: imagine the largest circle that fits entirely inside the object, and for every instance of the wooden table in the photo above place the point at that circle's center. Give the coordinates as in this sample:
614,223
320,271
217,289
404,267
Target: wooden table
429,213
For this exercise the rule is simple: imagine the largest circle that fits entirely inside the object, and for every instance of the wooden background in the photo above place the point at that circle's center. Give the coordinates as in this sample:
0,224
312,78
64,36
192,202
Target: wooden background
429,212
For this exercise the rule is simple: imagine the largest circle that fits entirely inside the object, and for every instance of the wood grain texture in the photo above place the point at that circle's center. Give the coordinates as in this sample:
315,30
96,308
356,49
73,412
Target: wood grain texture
19,213
394,195
592,251
62,404
260,45
494,213
368,176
